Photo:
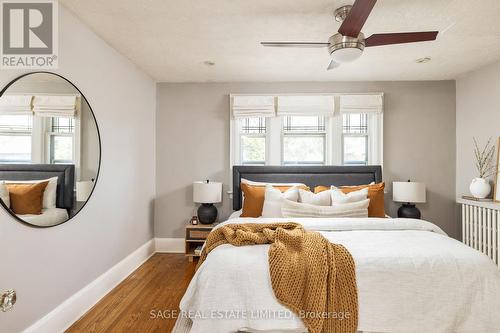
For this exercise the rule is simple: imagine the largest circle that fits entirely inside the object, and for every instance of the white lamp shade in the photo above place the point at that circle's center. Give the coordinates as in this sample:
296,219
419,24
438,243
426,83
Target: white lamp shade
83,190
408,192
204,192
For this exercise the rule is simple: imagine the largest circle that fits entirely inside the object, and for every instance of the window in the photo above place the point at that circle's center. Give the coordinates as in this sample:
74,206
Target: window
33,139
15,138
350,134
253,141
355,138
60,142
304,140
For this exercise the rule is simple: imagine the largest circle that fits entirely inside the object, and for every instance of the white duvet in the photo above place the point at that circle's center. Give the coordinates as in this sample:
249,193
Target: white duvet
411,277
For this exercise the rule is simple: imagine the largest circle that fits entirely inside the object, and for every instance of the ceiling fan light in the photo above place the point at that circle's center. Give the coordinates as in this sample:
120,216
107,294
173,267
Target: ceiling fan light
348,54
346,49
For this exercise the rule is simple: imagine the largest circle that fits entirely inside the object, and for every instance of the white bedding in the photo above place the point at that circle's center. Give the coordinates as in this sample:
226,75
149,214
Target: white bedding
411,277
49,217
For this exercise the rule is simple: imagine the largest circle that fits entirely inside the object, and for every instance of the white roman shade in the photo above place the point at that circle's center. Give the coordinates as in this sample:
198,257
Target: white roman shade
15,104
245,106
306,105
56,105
362,103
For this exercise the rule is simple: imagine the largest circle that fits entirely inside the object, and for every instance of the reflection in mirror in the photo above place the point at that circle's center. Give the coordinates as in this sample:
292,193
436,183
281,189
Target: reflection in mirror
49,149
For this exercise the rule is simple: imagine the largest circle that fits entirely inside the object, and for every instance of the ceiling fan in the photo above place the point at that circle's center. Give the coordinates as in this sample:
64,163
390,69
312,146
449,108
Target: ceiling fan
348,44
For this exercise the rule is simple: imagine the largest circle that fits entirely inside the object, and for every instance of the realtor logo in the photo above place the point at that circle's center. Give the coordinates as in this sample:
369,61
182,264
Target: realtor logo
29,34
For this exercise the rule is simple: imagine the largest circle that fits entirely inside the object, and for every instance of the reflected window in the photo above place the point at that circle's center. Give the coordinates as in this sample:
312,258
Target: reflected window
61,140
15,138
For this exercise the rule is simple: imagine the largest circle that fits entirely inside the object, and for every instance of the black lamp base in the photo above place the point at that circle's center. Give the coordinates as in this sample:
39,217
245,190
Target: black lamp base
207,213
409,211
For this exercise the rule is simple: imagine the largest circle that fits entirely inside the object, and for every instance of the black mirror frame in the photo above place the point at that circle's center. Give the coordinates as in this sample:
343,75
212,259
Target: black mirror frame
11,213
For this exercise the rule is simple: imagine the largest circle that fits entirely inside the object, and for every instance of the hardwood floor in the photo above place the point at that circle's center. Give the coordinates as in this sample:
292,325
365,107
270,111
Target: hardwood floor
140,303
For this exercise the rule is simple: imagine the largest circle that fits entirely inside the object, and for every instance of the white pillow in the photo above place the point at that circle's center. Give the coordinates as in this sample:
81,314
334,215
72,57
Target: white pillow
4,194
318,199
340,197
50,193
250,182
296,209
273,199
235,215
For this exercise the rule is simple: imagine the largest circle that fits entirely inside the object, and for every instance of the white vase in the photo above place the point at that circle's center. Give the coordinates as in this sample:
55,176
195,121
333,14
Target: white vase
480,188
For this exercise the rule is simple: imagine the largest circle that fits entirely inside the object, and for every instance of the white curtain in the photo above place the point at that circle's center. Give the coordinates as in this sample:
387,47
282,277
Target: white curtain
306,105
362,103
15,104
245,106
56,105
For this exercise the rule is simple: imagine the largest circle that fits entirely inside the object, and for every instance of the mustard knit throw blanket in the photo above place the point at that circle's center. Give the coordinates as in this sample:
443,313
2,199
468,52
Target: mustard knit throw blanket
312,277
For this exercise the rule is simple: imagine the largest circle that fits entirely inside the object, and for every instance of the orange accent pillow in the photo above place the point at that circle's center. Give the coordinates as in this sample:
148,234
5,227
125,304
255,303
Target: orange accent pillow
254,198
321,188
375,194
26,198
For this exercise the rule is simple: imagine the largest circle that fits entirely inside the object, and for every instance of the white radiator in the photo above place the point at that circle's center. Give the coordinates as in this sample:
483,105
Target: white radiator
480,227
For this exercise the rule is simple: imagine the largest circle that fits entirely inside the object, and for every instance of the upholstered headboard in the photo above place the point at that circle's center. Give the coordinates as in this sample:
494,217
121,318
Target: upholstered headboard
64,172
310,175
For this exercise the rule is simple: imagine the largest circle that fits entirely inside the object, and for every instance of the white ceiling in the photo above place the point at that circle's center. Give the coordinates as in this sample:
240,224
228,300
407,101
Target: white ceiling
171,39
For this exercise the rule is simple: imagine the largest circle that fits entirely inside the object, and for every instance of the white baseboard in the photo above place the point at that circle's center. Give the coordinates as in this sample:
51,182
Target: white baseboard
169,245
63,316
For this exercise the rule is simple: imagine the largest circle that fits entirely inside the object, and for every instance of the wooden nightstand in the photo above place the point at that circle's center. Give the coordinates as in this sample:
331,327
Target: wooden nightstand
196,236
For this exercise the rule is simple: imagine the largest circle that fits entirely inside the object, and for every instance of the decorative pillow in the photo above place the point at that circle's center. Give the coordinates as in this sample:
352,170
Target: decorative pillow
322,188
296,209
50,194
254,198
235,215
4,194
273,199
340,197
318,199
251,182
375,194
26,198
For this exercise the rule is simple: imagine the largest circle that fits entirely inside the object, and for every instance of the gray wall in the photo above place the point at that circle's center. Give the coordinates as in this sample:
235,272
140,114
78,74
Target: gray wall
192,140
478,115
47,266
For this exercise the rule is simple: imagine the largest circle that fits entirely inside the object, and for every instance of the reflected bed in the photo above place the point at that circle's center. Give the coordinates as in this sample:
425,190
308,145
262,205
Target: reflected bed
65,197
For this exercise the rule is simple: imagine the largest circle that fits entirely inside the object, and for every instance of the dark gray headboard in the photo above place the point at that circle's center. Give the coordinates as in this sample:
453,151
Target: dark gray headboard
312,176
64,172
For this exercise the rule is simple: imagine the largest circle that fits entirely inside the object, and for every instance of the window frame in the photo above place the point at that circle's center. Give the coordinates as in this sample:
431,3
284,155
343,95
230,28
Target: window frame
334,135
237,138
334,140
366,135
49,134
20,133
41,140
324,134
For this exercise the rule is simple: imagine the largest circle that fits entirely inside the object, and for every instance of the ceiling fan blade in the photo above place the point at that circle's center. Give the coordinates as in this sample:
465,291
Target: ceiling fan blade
400,38
357,17
333,65
294,44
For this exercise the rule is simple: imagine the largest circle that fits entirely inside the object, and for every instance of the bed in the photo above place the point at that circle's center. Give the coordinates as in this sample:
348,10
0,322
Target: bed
411,276
65,174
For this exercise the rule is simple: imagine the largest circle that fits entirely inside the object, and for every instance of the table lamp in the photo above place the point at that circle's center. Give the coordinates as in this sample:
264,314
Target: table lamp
207,193
409,193
83,190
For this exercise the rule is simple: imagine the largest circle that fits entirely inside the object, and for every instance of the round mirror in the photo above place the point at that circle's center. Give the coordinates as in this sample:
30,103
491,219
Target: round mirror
50,149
